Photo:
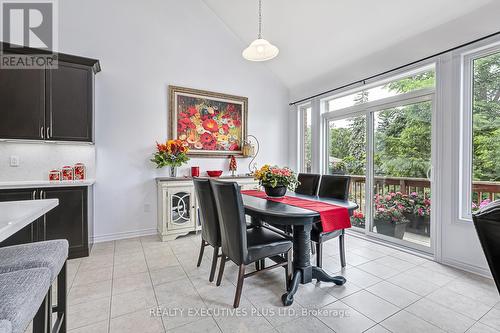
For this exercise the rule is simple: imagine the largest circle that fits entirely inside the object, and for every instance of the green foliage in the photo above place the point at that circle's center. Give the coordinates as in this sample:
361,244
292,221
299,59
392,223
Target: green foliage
163,159
486,118
419,81
273,176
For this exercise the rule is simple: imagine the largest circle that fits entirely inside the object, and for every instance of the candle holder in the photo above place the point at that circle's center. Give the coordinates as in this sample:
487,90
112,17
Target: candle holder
251,150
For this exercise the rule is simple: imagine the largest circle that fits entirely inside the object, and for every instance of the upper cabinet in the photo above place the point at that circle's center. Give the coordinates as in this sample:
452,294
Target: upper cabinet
69,103
22,101
48,104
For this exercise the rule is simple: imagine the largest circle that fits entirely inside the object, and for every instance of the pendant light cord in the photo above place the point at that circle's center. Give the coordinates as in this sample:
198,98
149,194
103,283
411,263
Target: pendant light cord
260,19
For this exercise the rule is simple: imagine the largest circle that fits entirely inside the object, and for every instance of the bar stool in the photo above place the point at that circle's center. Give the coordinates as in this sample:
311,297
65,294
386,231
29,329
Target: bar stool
51,255
24,299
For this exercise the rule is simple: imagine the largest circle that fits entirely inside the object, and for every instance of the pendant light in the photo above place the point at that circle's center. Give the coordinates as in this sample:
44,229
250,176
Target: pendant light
260,49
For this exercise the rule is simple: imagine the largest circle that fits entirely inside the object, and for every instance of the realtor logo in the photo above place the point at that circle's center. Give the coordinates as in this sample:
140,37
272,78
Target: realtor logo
28,24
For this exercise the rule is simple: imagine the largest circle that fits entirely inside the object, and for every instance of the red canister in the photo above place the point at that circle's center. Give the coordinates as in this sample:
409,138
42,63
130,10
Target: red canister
79,171
67,172
195,171
55,175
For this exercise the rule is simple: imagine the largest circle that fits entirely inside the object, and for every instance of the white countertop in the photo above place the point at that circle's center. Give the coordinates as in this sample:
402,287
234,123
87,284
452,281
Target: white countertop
44,183
15,215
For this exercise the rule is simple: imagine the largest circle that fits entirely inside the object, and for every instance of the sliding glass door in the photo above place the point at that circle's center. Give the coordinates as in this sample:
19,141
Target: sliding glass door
401,161
382,138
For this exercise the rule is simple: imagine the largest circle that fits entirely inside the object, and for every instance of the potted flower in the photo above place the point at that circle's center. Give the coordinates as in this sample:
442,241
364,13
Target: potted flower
420,213
276,180
389,216
172,154
358,219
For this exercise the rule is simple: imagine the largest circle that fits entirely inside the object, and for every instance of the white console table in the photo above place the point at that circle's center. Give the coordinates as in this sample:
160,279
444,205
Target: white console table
177,204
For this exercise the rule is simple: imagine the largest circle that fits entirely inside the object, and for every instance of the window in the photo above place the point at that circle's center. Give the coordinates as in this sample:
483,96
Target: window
306,141
347,155
414,82
481,170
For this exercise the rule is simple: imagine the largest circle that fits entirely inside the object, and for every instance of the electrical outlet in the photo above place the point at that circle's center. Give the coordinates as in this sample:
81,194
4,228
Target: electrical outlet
14,161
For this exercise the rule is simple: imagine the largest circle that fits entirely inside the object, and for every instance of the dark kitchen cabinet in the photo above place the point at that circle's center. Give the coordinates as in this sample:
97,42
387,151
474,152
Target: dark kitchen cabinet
69,102
22,104
29,233
53,104
69,220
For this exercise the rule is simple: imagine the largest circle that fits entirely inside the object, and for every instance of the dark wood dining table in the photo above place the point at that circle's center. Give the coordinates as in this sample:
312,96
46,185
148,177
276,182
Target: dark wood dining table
301,221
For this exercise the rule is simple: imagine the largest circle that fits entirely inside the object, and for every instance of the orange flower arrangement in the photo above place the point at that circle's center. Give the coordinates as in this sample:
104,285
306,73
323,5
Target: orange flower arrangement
173,153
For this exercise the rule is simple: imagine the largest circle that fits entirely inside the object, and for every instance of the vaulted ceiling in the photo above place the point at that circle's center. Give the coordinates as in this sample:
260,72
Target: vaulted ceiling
327,42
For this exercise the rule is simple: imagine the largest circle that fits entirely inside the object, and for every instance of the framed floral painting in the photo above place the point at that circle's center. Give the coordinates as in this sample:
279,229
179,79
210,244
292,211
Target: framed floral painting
211,124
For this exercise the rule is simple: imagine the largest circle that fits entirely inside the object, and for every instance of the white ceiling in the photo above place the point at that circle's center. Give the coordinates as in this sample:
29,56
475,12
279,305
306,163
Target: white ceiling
326,42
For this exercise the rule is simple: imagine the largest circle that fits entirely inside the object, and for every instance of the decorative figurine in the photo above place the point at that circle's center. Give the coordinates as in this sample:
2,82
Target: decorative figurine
232,165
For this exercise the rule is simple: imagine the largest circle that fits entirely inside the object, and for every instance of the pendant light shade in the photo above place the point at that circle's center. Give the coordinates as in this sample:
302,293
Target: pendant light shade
260,49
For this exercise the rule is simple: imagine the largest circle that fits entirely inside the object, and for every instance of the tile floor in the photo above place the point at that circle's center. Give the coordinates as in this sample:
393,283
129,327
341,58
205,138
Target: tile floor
143,285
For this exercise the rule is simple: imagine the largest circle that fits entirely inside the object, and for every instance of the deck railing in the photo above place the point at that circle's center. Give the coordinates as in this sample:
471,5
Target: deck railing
481,190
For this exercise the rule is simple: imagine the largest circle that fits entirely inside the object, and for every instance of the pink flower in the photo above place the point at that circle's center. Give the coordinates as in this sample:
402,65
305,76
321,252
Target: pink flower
484,203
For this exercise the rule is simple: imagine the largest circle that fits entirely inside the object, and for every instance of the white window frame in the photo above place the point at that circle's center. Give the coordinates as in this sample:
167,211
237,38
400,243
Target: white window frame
466,128
301,114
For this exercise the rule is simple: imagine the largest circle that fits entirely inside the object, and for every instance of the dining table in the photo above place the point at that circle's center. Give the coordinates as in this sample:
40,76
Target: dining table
300,220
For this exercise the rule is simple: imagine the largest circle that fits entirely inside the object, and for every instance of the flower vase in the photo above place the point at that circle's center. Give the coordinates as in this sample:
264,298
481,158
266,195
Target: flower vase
173,171
275,192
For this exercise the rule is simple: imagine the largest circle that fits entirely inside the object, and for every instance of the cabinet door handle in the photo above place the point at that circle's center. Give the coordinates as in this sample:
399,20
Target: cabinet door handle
42,194
33,195
42,132
48,132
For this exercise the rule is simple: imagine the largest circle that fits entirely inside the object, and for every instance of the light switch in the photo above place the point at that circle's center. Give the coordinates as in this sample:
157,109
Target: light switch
14,161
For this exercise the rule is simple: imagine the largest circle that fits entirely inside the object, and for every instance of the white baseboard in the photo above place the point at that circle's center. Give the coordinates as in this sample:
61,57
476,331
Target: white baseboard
445,261
124,235
467,267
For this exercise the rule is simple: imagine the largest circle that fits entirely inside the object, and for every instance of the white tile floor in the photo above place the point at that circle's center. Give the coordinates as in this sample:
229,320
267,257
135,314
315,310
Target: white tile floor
118,287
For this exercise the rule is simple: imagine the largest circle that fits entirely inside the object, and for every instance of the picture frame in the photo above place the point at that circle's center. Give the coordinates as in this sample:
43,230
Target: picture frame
212,124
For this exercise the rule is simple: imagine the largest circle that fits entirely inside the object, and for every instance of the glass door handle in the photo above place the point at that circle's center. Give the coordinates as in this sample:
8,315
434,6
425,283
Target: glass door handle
430,173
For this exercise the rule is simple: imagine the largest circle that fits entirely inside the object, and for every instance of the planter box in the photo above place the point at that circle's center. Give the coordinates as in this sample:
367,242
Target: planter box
420,225
390,229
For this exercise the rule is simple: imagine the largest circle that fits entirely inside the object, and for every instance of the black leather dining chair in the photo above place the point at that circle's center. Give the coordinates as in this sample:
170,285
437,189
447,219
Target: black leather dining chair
308,183
335,187
244,246
487,223
210,229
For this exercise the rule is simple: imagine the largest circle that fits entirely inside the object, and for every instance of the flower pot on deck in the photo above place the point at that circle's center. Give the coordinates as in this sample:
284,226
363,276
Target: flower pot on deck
388,228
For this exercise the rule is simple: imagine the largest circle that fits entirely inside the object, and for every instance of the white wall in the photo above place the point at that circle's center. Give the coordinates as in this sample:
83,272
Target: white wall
143,47
36,159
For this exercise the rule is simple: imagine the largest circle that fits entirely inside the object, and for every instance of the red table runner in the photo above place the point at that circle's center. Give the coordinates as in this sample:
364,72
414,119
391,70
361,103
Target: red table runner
333,217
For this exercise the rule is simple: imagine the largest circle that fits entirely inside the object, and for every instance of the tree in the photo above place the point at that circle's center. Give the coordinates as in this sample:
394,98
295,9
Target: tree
486,118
